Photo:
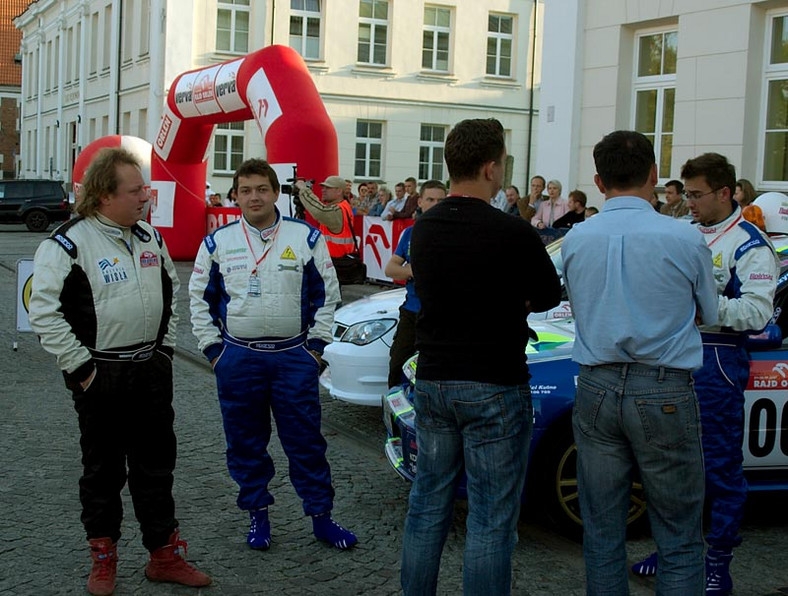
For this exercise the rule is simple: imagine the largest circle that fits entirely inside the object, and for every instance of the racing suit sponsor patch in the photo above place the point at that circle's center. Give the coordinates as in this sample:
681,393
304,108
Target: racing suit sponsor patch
312,240
765,276
112,271
288,254
717,261
149,259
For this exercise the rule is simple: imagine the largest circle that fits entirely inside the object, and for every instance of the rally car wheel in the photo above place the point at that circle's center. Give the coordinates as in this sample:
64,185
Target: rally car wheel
556,487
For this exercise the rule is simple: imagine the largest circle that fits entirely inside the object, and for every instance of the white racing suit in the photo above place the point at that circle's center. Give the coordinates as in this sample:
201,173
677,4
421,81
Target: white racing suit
745,270
103,299
260,301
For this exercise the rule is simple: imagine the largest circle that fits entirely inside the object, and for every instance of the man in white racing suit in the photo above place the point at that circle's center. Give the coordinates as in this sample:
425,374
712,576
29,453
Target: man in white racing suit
263,294
103,302
745,271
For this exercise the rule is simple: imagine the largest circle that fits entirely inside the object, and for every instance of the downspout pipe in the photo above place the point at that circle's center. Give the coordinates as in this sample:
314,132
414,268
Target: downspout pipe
531,100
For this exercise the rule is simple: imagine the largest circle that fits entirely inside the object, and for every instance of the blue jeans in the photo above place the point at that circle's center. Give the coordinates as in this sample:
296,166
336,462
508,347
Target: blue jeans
485,429
629,416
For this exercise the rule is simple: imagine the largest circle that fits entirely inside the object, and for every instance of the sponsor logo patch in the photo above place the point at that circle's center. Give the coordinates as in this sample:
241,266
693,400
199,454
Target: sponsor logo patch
717,260
198,270
149,259
232,268
761,276
112,271
235,251
288,254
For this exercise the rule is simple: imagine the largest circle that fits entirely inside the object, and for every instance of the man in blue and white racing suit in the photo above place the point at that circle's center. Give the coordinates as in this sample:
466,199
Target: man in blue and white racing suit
746,268
263,293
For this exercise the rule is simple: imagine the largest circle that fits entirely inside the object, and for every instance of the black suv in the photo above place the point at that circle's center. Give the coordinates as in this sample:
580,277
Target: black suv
35,203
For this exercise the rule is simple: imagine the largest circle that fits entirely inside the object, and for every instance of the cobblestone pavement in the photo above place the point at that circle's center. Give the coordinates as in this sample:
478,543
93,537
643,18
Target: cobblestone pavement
42,547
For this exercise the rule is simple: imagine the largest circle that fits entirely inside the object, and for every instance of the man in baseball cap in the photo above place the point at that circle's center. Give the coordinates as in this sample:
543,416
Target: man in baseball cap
335,216
333,182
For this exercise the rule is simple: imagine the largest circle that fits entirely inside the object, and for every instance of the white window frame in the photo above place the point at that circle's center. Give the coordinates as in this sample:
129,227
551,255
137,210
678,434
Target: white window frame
661,83
234,7
431,146
771,73
499,39
299,42
434,32
367,143
228,131
373,24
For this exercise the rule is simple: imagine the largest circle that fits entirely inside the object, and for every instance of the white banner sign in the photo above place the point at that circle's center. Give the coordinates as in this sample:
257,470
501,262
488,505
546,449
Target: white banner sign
24,286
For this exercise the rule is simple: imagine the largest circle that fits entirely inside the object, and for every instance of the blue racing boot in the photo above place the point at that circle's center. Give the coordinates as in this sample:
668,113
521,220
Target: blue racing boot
718,576
327,530
647,567
259,536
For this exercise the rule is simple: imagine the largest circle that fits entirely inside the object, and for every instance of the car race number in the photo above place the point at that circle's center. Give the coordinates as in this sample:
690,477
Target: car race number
766,415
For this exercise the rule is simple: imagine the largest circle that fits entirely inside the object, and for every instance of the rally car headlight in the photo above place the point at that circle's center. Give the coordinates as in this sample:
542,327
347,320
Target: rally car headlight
365,333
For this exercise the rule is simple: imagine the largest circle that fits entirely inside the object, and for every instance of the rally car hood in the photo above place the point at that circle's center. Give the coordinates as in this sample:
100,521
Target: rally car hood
375,306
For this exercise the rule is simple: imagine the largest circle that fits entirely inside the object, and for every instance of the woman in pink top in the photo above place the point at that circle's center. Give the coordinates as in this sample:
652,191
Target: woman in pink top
550,210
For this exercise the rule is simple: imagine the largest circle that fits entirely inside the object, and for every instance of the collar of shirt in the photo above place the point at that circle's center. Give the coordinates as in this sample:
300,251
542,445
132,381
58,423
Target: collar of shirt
113,230
721,227
626,202
266,233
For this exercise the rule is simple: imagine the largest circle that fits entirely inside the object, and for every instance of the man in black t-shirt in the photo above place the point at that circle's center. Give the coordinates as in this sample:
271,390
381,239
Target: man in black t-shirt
472,398
576,213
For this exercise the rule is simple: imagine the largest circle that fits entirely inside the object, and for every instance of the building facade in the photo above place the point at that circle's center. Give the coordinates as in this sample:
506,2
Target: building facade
10,86
694,76
394,75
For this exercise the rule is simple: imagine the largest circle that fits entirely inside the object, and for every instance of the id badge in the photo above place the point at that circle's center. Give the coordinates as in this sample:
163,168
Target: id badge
254,285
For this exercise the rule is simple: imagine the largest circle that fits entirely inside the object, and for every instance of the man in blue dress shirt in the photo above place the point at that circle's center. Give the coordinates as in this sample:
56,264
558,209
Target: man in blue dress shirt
635,406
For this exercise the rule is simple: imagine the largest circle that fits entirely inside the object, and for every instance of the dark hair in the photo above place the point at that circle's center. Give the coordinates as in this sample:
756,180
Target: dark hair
410,179
431,184
592,209
400,185
257,166
677,184
579,196
101,177
470,145
624,159
544,182
364,184
748,190
715,168
516,190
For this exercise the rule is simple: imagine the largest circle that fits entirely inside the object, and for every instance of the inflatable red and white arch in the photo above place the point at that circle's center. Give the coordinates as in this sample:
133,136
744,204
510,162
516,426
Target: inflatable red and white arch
272,86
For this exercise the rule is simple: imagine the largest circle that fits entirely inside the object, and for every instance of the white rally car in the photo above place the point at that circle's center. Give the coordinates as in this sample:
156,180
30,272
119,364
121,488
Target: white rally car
358,358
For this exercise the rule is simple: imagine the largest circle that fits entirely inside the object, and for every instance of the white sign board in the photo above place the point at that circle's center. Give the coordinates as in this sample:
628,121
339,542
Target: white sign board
24,285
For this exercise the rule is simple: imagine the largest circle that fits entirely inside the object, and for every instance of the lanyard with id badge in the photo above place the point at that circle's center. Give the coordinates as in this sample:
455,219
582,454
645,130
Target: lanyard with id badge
255,287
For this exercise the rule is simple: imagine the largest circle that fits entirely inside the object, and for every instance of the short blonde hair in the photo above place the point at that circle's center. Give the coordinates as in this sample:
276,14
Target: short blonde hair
101,178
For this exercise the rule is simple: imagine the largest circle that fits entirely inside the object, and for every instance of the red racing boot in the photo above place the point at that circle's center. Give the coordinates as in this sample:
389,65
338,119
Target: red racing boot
105,560
167,565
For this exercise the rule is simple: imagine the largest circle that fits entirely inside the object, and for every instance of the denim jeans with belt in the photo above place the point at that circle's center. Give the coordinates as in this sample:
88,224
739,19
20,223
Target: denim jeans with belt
484,429
628,417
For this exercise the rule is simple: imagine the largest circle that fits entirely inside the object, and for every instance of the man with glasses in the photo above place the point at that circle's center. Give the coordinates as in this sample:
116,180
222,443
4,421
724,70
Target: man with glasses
745,271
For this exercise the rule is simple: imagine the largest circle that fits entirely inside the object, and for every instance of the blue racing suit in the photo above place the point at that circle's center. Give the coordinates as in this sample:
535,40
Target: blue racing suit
262,302
745,271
